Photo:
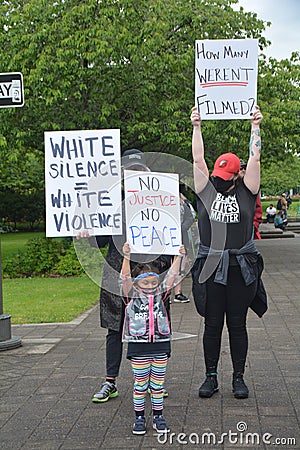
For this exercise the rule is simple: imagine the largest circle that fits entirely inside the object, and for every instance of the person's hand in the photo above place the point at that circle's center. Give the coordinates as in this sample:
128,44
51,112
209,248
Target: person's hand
83,234
195,117
257,117
182,250
126,250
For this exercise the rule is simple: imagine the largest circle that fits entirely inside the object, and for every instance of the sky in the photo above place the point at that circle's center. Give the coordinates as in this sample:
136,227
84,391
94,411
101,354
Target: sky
284,33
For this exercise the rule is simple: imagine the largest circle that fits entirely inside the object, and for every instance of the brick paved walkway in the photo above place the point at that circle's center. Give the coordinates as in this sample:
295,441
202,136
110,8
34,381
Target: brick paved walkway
46,385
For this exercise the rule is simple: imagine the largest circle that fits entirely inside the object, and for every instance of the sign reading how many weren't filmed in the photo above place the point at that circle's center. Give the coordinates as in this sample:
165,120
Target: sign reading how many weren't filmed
11,90
226,78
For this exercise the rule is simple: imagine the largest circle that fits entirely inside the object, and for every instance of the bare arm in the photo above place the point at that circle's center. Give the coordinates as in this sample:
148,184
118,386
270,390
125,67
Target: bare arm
252,175
200,168
173,272
125,270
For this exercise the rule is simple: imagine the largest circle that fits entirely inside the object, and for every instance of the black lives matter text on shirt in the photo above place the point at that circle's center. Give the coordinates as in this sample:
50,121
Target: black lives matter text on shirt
225,209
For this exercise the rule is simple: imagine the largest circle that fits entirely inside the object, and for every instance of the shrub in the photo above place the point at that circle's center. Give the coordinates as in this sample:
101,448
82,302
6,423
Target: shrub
44,257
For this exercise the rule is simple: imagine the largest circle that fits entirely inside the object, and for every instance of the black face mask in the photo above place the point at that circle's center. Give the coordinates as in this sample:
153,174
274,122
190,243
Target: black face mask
222,185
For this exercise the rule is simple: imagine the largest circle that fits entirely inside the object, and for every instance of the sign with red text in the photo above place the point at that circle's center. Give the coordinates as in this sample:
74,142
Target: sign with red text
226,78
152,209
83,182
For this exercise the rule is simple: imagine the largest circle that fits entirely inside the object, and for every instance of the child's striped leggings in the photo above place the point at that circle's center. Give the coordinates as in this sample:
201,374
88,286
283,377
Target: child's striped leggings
148,371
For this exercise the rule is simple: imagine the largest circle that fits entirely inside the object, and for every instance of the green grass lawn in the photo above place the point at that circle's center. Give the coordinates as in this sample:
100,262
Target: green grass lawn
45,300
12,243
293,210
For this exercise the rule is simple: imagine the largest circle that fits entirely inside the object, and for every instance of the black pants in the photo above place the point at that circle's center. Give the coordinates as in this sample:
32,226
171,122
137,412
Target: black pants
231,301
114,350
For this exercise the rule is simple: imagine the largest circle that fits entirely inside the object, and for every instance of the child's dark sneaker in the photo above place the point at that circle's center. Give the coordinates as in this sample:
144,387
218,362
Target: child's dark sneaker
108,390
159,424
139,426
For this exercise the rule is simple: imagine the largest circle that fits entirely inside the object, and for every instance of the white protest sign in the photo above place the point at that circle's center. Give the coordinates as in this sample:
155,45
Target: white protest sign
152,208
83,182
226,78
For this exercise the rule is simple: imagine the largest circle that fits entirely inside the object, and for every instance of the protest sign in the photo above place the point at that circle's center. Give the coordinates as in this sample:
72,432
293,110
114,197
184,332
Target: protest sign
83,182
226,78
152,209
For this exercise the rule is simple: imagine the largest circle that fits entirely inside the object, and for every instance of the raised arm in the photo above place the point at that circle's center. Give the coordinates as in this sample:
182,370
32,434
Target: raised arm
172,276
252,175
125,270
200,168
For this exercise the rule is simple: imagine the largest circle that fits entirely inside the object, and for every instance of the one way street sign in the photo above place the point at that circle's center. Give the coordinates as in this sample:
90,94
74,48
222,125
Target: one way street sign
11,90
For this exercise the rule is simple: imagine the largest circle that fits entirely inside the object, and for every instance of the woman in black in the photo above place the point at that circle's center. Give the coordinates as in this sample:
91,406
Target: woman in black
226,275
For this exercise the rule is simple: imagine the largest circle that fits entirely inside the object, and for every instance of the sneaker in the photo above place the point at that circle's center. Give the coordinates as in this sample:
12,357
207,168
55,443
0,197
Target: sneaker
165,392
239,387
180,298
209,387
139,426
108,390
159,424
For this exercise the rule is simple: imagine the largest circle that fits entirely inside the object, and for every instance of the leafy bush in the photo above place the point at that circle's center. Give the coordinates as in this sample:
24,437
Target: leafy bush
44,257
68,264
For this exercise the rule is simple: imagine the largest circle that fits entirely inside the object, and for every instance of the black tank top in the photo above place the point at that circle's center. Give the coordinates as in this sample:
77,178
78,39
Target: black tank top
225,221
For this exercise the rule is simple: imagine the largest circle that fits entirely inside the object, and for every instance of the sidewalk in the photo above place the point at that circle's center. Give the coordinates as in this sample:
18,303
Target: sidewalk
47,384
268,230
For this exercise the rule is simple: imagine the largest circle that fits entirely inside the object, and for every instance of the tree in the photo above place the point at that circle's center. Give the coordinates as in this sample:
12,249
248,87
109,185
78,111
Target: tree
278,178
121,64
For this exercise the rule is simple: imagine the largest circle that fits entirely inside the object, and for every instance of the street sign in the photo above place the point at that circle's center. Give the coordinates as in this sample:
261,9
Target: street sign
11,90
11,95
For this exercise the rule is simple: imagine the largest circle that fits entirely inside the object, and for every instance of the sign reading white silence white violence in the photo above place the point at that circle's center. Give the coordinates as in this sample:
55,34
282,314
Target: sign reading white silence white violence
226,78
83,182
152,209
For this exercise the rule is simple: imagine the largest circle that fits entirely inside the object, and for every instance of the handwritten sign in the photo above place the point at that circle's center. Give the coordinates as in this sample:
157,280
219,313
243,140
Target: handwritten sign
83,182
152,209
226,78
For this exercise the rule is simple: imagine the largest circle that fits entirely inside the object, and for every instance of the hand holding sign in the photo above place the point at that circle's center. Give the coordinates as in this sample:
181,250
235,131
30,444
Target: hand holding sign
257,117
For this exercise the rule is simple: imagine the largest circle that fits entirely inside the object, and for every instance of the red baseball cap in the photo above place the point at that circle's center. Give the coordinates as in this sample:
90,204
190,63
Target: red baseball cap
226,165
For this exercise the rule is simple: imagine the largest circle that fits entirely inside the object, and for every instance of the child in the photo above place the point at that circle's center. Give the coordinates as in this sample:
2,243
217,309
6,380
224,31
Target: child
147,331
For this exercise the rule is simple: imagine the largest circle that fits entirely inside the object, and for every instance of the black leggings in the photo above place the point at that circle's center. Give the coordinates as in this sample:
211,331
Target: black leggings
233,301
114,350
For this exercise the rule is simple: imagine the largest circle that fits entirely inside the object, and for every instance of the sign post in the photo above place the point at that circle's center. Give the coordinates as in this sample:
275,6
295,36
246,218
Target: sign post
11,95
